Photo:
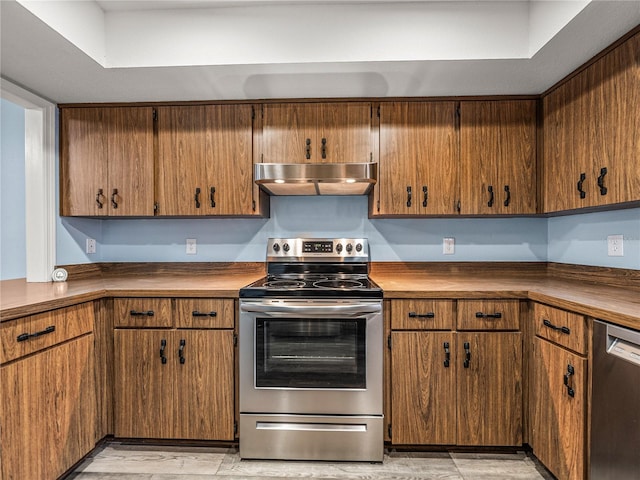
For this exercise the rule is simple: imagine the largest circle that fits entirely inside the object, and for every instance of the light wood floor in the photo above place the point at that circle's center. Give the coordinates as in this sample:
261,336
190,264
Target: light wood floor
117,461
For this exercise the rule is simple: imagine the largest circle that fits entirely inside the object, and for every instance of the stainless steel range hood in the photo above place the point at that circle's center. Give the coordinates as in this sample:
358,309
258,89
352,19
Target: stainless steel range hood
316,178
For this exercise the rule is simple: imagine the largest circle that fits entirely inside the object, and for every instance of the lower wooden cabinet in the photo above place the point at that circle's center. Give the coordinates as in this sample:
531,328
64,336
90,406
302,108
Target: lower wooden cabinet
175,383
48,404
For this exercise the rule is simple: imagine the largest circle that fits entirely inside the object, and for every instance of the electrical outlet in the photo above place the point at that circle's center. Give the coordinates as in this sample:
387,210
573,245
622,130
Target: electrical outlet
192,247
448,246
615,245
91,245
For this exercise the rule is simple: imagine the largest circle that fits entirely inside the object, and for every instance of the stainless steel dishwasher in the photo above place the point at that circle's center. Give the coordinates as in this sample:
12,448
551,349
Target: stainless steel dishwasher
615,405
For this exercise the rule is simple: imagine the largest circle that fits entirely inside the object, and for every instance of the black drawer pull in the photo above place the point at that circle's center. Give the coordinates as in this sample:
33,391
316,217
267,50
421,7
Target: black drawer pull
148,313
425,195
26,336
408,196
308,148
324,148
196,197
212,197
422,315
583,177
467,355
507,200
562,329
447,355
488,315
490,190
196,313
603,189
163,345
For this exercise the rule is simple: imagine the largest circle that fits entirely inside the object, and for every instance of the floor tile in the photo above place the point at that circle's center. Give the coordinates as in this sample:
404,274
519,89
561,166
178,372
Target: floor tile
496,466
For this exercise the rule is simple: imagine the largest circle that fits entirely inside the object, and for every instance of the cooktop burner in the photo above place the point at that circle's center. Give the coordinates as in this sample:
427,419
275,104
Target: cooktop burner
284,284
338,283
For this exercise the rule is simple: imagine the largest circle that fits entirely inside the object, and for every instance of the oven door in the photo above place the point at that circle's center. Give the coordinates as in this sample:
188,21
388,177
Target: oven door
311,356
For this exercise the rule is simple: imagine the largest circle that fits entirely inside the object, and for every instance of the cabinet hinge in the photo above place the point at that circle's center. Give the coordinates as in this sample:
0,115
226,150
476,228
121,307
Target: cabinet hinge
155,115
235,339
235,428
389,341
262,158
371,157
389,430
458,206
155,208
253,205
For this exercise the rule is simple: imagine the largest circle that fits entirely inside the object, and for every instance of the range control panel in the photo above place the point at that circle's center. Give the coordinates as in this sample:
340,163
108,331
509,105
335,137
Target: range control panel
318,249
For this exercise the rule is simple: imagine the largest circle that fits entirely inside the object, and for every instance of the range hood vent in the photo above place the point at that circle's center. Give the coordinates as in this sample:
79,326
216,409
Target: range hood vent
316,178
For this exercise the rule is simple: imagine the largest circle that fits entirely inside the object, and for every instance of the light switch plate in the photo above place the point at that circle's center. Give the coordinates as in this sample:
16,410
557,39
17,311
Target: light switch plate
192,247
91,246
448,246
615,244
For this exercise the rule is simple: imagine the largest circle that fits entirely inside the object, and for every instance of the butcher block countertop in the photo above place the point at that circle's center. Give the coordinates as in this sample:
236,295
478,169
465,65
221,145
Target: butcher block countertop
608,294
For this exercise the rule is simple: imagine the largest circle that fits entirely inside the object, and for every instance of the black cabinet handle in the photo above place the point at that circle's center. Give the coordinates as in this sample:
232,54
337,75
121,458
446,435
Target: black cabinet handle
467,355
324,148
114,194
570,372
183,342
148,313
583,177
603,189
212,197
562,329
408,195
308,148
447,355
425,195
196,313
100,195
507,200
163,345
422,315
488,315
196,197
490,190
26,336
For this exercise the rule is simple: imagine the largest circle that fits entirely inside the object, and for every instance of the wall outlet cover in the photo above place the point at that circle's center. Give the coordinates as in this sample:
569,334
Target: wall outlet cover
192,247
448,246
91,246
615,244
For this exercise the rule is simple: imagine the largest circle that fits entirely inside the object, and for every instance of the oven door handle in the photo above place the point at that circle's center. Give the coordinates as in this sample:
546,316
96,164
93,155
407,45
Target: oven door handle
307,310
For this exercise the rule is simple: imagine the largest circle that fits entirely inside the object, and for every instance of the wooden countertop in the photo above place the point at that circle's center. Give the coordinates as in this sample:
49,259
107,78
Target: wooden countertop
618,304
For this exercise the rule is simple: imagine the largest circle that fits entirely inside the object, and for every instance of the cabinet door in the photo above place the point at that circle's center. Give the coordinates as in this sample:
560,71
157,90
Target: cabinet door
83,162
48,411
497,152
418,170
344,133
559,419
288,133
489,388
204,407
143,383
423,388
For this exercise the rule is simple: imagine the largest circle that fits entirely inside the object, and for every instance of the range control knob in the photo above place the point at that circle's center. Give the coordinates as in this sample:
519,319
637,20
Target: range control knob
285,247
358,247
349,248
339,248
276,247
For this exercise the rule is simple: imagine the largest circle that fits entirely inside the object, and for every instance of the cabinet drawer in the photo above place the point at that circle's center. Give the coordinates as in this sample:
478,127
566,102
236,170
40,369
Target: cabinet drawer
422,314
488,315
204,313
30,334
142,312
564,328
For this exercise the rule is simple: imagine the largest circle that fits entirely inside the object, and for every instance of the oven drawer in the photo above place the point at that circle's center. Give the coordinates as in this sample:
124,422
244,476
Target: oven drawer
204,313
422,314
488,315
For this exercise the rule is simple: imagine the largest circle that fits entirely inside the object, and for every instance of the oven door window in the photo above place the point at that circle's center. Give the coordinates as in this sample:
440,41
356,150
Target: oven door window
308,353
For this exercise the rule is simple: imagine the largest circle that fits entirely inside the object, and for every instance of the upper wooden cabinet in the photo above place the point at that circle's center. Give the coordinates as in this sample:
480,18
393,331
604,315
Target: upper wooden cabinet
106,161
418,168
498,157
317,132
590,124
205,160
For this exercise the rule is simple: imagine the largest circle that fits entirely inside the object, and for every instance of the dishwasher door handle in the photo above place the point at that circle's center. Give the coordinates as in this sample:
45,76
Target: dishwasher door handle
624,344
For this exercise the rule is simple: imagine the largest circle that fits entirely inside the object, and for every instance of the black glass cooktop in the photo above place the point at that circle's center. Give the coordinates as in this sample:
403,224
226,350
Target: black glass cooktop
312,285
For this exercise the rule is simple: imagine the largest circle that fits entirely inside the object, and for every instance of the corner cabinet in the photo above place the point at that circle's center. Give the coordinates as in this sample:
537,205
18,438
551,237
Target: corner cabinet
317,132
498,157
48,401
418,168
174,368
205,160
106,161
590,126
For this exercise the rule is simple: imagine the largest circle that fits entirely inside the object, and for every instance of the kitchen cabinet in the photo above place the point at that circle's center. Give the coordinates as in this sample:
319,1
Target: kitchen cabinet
48,403
205,160
455,387
175,382
106,161
559,392
498,157
418,167
317,132
589,123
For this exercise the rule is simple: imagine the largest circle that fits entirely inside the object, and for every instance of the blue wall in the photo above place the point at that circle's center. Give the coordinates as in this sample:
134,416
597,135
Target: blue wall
13,261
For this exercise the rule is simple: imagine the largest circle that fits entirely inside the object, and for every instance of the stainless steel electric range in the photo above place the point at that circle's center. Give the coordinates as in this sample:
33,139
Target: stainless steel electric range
311,342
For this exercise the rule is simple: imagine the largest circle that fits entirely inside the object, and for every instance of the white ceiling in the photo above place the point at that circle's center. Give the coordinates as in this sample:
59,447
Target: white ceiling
111,51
